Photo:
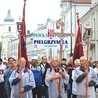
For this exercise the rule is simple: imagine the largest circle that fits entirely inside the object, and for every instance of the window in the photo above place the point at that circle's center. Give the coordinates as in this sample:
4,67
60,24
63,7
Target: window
9,29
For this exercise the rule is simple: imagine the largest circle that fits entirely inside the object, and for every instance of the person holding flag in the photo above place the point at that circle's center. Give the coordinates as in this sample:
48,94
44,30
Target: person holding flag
27,78
22,80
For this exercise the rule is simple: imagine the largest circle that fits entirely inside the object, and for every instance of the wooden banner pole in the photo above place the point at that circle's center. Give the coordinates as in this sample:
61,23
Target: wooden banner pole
87,66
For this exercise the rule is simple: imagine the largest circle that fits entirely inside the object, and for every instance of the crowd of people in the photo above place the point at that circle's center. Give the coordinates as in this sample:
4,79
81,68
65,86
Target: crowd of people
79,79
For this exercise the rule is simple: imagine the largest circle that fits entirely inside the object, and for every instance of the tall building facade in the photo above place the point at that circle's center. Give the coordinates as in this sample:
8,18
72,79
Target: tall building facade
40,41
8,33
90,21
70,8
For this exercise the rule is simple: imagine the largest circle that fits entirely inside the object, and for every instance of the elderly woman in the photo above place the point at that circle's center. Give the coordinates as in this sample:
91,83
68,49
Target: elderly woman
55,78
96,71
22,81
74,91
86,79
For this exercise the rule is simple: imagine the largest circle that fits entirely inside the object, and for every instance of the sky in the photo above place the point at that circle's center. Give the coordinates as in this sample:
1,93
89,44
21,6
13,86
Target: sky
37,11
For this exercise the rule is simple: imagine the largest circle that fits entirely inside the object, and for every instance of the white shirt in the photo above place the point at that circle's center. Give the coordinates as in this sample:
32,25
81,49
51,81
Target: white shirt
96,71
2,68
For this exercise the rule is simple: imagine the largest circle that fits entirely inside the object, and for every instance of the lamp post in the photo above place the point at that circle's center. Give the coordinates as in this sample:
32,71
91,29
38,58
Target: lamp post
19,27
71,27
88,34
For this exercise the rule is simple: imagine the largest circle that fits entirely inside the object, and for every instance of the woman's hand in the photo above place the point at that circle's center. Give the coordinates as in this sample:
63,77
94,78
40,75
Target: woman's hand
56,76
61,71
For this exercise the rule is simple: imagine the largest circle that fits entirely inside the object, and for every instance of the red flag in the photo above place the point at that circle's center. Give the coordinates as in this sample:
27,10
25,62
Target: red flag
78,50
22,51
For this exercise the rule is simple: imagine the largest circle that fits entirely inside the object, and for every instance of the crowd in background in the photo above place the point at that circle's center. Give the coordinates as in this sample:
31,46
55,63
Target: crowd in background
48,79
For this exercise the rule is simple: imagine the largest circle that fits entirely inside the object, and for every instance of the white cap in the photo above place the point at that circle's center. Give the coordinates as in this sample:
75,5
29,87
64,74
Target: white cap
35,56
14,57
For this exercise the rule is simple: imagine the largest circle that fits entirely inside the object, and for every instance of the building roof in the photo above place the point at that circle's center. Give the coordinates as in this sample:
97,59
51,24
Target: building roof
90,12
9,17
78,1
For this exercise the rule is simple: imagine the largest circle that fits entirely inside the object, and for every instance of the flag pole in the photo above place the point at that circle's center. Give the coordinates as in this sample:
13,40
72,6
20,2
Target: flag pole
88,31
20,95
20,84
87,69
19,27
77,14
78,49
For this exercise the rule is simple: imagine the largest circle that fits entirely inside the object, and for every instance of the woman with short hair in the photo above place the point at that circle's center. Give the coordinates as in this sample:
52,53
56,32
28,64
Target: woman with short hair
55,78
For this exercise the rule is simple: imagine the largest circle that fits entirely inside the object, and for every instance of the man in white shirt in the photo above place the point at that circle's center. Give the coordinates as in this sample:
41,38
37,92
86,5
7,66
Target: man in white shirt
3,92
80,78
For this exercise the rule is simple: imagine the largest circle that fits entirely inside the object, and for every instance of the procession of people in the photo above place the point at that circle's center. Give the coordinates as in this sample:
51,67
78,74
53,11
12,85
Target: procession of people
48,79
